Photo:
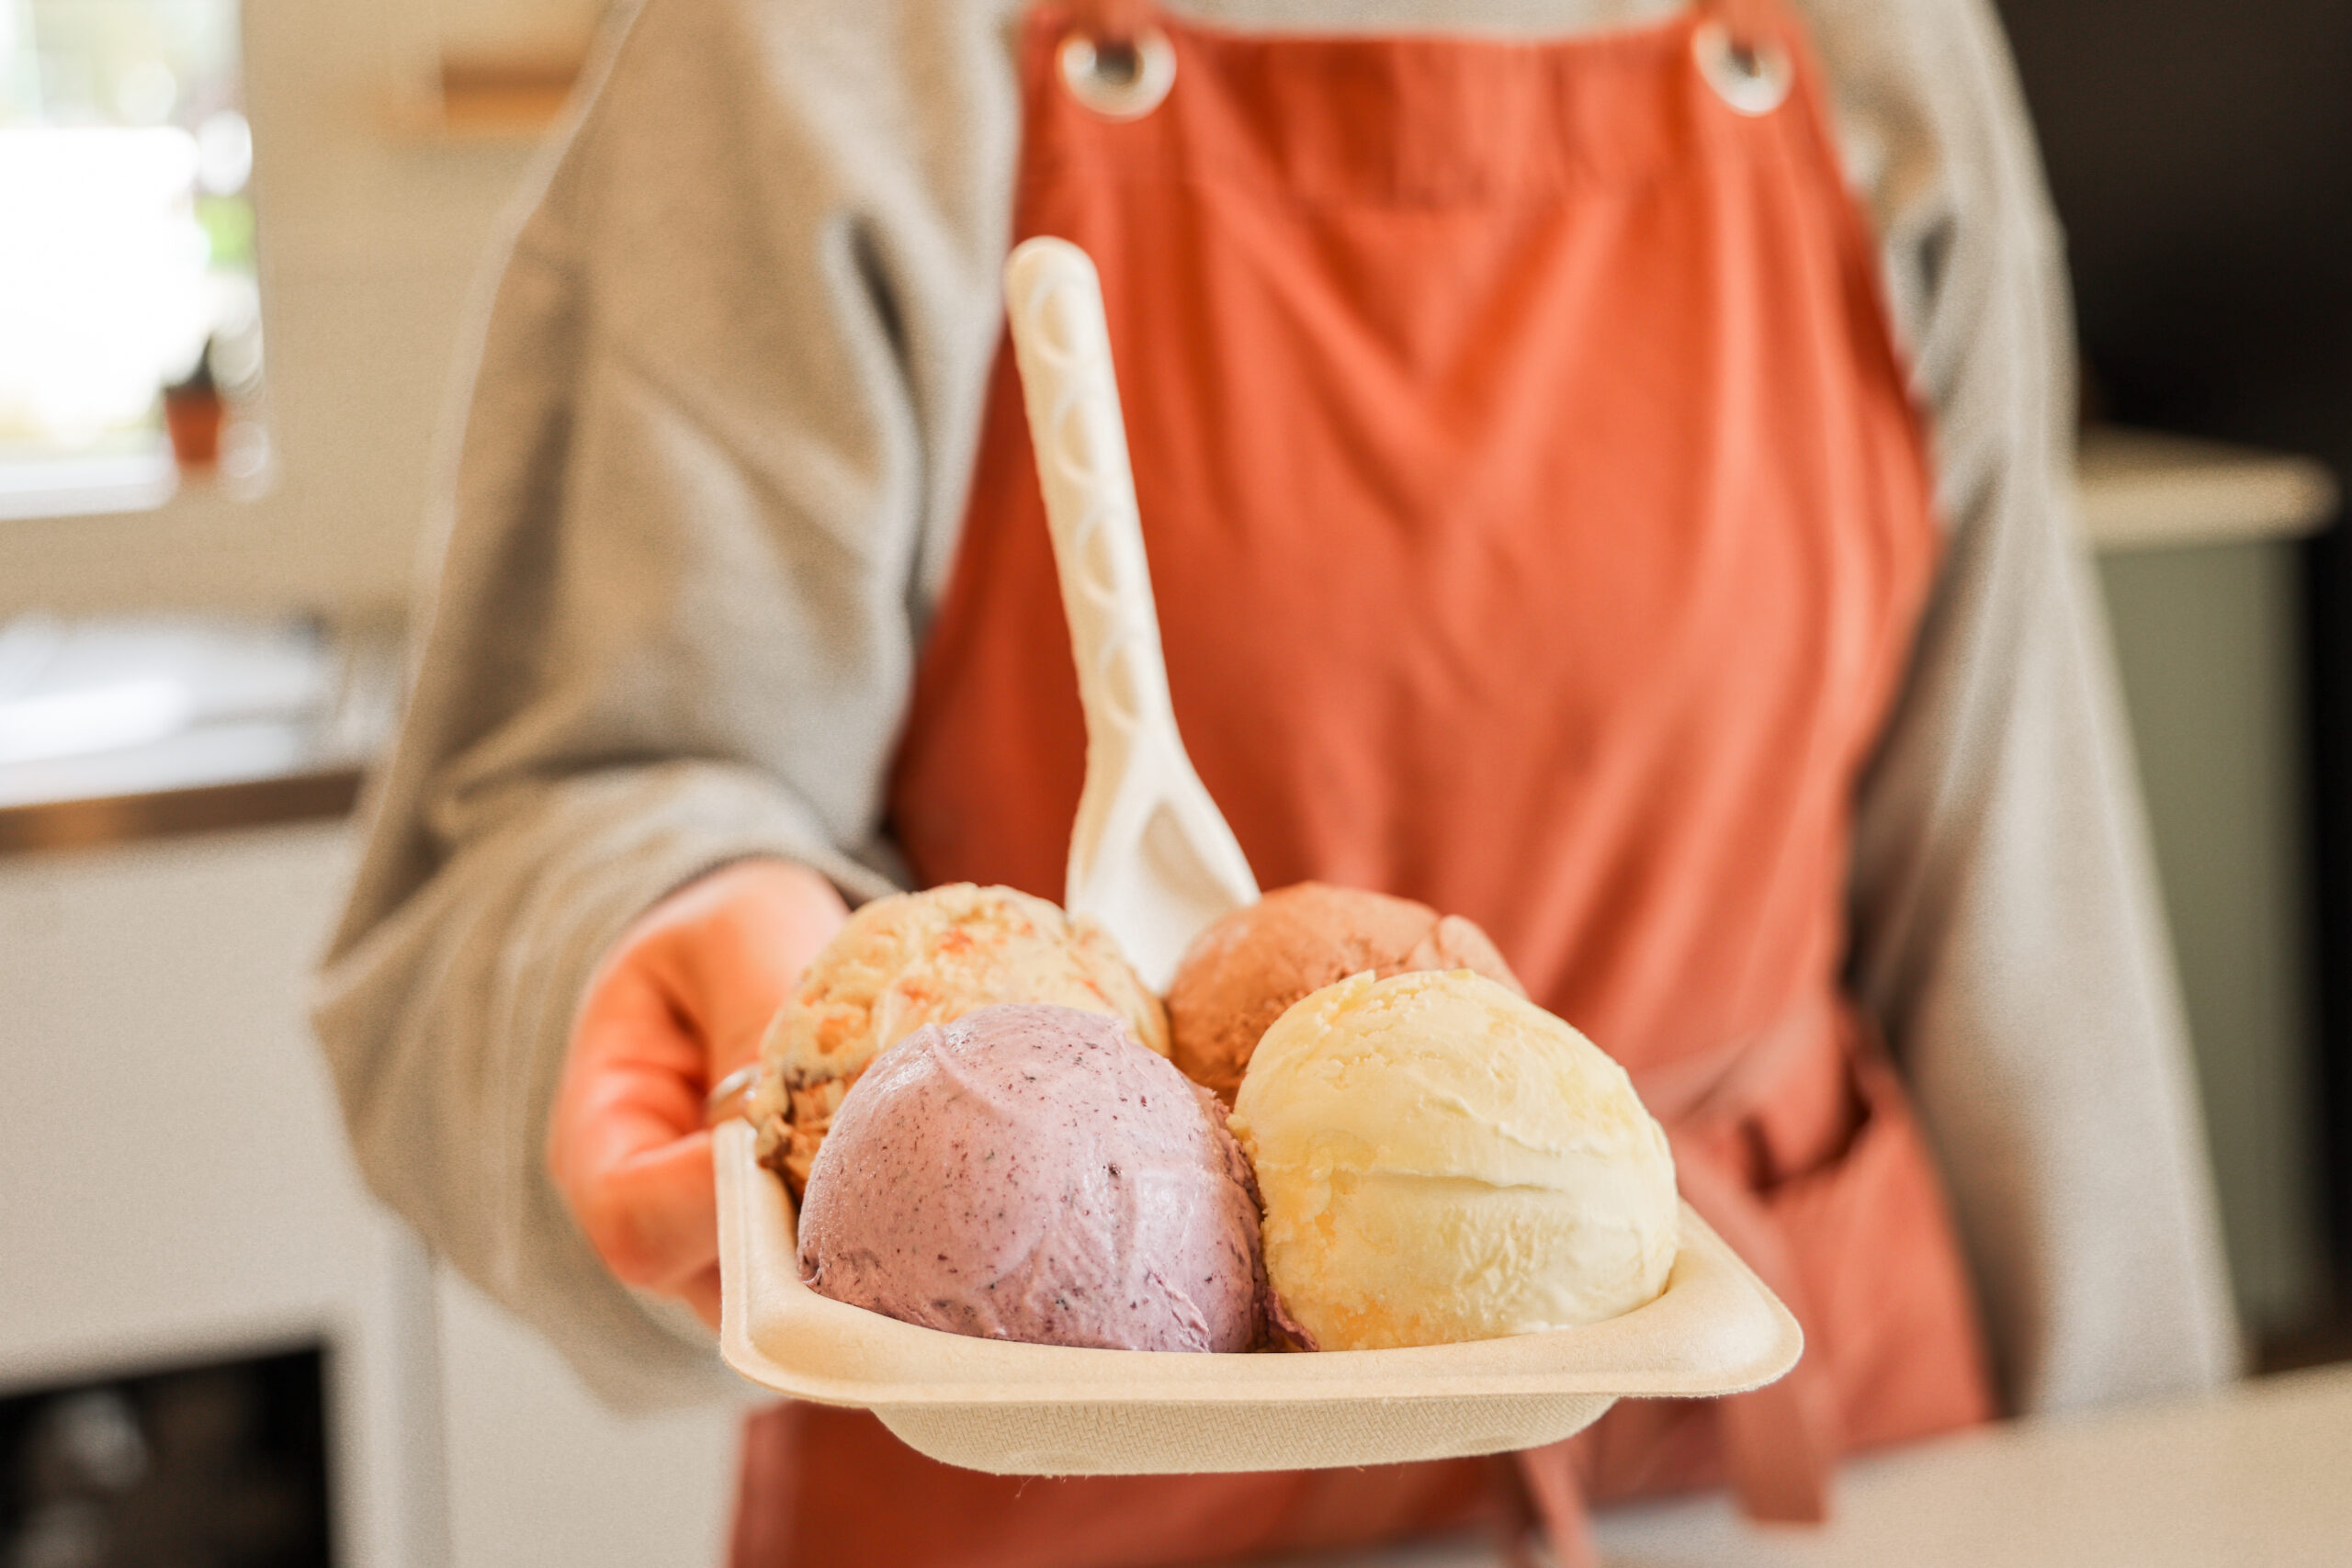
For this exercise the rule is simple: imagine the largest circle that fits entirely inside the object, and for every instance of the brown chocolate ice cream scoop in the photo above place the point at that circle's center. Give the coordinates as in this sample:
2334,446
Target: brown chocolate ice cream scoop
1244,970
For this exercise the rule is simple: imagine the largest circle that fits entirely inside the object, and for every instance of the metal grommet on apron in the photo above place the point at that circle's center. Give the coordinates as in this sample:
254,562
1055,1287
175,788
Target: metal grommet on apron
1119,80
1752,78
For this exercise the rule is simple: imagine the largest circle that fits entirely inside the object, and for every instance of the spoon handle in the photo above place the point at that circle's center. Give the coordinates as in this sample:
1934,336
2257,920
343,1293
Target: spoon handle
1063,344
1142,802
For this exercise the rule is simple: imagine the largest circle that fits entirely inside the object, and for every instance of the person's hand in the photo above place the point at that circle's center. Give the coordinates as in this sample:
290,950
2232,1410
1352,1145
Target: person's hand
681,1001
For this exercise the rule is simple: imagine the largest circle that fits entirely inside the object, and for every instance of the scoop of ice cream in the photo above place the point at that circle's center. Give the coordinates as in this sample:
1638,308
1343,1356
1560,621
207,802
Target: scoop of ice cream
1031,1173
1246,968
918,958
1442,1160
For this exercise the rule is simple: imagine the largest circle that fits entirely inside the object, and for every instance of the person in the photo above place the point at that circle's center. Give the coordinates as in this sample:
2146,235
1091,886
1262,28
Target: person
1604,466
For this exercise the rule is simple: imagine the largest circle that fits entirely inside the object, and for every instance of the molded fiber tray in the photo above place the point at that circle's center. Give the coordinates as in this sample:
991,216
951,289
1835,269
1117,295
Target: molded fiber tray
1050,1410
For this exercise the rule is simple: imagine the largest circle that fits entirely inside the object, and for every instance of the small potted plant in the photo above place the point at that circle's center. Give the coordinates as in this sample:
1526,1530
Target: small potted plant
193,413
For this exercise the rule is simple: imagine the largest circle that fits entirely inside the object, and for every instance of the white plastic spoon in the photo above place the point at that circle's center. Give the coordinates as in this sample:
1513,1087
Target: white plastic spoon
1150,856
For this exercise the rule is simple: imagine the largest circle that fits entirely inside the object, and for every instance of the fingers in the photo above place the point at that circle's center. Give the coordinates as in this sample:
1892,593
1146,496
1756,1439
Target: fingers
684,996
653,1215
734,948
625,1140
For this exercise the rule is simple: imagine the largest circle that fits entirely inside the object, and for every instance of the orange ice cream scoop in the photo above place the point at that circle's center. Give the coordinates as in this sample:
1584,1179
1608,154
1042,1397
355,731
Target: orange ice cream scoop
1246,969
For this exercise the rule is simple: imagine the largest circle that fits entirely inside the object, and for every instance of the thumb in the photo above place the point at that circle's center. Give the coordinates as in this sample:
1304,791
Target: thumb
732,947
684,1001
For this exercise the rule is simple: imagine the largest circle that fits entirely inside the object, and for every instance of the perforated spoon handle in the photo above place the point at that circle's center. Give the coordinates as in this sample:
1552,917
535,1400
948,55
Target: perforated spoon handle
1063,345
1150,856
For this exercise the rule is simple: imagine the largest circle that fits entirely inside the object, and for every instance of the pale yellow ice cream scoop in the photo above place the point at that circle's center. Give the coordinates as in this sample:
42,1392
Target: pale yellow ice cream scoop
1442,1160
918,958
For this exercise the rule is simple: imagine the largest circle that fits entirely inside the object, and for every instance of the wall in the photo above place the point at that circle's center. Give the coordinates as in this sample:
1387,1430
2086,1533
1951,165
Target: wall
523,32
2208,642
539,1473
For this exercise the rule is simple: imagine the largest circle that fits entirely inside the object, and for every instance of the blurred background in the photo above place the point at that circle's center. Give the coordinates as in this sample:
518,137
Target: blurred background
237,244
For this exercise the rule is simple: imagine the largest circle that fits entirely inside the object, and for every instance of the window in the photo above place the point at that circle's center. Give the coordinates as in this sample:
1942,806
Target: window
130,346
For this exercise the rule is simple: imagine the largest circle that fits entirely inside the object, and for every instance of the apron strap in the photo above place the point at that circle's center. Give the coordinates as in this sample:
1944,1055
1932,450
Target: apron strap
1545,1483
1109,22
1780,1441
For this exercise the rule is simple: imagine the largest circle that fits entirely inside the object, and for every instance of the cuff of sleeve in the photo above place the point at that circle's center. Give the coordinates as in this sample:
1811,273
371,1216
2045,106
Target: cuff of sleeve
448,1023
634,837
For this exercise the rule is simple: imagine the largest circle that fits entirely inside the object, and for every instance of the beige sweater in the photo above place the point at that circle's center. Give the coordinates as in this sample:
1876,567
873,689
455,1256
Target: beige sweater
707,494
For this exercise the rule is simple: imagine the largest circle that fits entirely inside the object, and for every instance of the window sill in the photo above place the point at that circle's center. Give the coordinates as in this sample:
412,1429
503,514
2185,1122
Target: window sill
118,483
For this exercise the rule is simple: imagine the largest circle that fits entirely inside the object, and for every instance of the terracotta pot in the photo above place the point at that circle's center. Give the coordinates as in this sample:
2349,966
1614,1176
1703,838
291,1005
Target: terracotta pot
194,416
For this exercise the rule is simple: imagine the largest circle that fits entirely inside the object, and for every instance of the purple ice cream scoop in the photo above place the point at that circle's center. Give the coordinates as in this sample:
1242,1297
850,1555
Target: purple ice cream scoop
1029,1172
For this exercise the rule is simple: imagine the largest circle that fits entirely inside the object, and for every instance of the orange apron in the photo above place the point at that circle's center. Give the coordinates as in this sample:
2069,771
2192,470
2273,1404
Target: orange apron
1539,524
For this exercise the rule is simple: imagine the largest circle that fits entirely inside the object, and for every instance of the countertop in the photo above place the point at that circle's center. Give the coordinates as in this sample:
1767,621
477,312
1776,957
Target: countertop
2259,1476
2139,489
117,731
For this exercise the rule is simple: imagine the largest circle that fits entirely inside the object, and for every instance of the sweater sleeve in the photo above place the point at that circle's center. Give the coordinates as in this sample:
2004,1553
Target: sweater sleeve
715,450
2006,930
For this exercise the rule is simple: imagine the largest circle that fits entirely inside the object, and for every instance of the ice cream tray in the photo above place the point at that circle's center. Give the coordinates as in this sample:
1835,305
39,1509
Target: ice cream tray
1019,1409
